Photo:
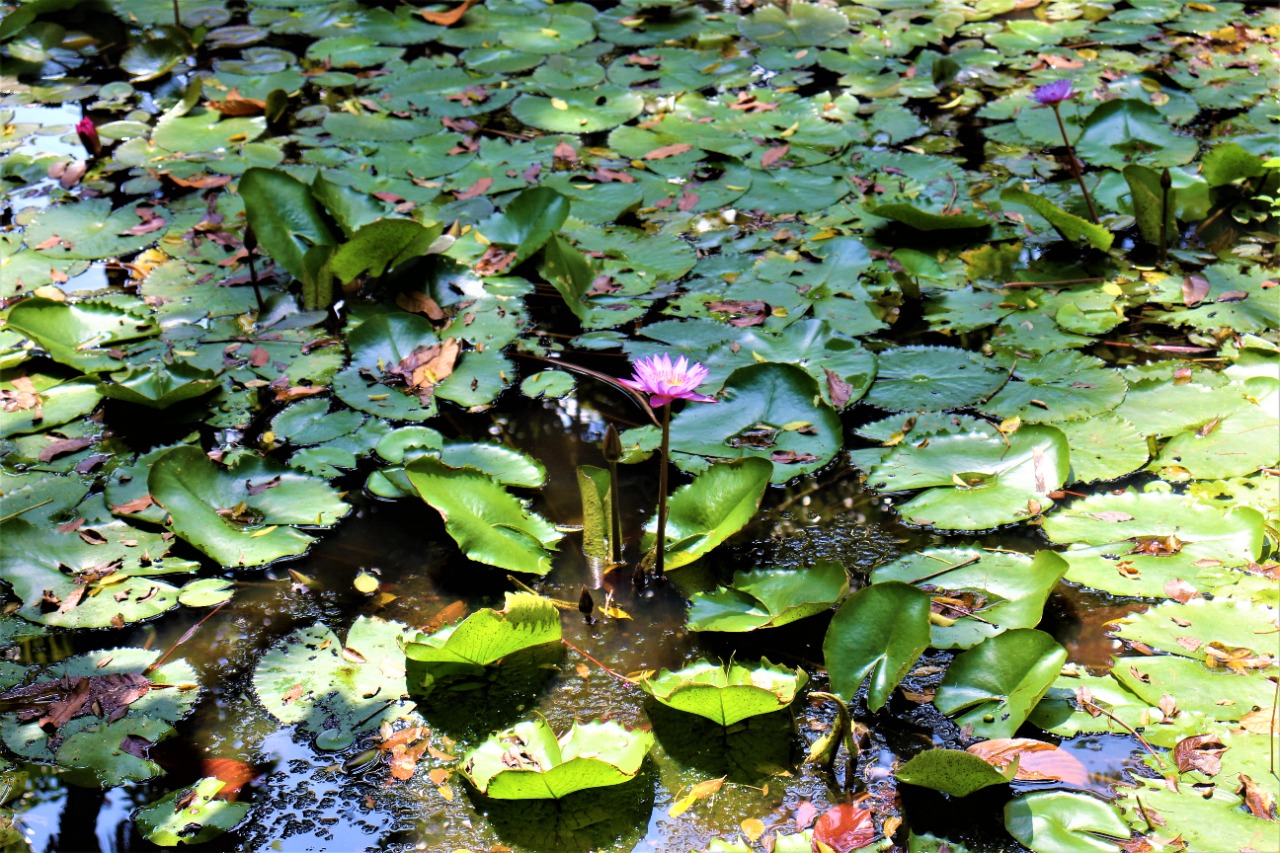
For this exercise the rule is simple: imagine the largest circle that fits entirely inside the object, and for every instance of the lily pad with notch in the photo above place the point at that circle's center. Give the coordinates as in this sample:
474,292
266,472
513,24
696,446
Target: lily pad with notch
768,598
929,379
726,694
995,685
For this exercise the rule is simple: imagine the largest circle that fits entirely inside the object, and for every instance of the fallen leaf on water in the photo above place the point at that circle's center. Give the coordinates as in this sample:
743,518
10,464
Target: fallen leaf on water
448,19
668,151
1200,752
773,155
1038,761
1194,289
805,814
58,702
700,791
1260,802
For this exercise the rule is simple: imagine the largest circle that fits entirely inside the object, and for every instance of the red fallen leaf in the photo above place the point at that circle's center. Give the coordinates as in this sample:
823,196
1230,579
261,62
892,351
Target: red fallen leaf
688,201
200,182
55,703
137,746
450,614
479,188
748,102
791,457
840,390
135,505
233,775
603,285
420,303
1037,761
1233,296
406,748
845,827
494,261
388,197
1112,516
668,151
753,310
71,174
773,155
255,489
1260,802
63,446
1194,289
1180,591
151,221
92,537
607,175
448,19
48,244
565,153
258,357
1200,752
236,105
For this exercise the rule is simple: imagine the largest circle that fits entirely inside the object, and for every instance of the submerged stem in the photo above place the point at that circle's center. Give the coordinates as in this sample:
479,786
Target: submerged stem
1075,165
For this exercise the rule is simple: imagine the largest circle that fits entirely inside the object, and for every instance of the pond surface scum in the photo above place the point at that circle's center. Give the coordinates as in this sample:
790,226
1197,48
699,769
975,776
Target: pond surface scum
314,316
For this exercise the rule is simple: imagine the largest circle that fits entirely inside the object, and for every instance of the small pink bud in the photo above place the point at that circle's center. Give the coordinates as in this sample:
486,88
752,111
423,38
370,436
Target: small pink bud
88,133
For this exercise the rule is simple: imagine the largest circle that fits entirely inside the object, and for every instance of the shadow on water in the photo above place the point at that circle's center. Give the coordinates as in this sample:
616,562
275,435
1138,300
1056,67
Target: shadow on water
746,752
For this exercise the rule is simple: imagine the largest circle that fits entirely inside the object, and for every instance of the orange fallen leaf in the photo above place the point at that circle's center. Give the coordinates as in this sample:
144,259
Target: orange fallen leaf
448,19
1037,761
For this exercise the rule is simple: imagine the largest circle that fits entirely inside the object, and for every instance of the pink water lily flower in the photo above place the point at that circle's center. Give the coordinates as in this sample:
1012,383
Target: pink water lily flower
1052,94
664,381
88,133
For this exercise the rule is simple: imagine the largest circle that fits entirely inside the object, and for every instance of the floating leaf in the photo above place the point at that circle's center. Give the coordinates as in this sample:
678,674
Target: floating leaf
929,379
331,689
951,771
528,762
481,640
87,336
190,815
768,598
489,524
242,514
994,686
1058,386
726,694
1064,822
717,504
879,631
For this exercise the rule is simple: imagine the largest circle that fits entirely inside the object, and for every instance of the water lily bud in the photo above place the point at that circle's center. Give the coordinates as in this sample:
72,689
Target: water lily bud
612,448
1166,180
250,239
586,604
88,133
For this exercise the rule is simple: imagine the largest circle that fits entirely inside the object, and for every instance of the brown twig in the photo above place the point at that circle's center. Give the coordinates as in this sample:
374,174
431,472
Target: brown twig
616,675
187,636
1101,710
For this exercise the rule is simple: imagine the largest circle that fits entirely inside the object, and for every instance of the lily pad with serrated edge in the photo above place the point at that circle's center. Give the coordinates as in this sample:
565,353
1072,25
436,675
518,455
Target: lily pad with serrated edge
481,640
85,335
768,598
929,379
726,694
1186,628
1121,543
528,761
1008,590
975,482
1058,386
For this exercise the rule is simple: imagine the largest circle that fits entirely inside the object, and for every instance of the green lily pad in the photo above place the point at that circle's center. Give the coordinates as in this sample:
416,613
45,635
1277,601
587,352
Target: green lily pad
879,631
90,749
578,110
1218,694
241,514
190,815
528,761
1126,129
1230,446
1008,590
159,385
102,578
1064,822
717,504
1103,447
726,694
974,481
481,640
87,230
929,379
206,130
994,686
770,411
489,524
800,25
952,771
1137,543
1058,386
313,680
768,598
86,335
1185,629
1071,227
1061,713
1201,817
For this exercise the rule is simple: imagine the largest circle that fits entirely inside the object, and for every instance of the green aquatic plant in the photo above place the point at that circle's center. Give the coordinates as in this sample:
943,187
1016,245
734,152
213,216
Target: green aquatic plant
1052,95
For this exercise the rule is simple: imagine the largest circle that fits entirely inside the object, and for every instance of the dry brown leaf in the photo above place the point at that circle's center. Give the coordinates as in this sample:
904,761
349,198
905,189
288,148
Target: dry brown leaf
1038,761
1199,752
668,151
448,19
1260,802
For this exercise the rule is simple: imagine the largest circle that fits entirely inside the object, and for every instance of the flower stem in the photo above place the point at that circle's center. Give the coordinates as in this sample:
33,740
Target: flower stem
661,543
1075,165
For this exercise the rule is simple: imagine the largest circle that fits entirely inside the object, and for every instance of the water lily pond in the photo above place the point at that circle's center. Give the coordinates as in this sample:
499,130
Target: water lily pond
646,425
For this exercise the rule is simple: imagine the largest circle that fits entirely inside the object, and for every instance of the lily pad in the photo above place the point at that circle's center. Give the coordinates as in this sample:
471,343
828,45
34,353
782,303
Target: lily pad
242,514
481,640
578,110
87,336
87,230
994,686
1058,386
1064,822
879,631
983,593
929,379
1138,543
489,524
771,411
952,771
974,481
528,761
768,598
726,694
329,688
159,385
717,504
190,815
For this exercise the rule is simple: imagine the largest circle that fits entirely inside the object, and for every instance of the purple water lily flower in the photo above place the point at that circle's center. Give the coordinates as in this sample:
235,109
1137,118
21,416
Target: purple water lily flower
664,381
88,133
1052,94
